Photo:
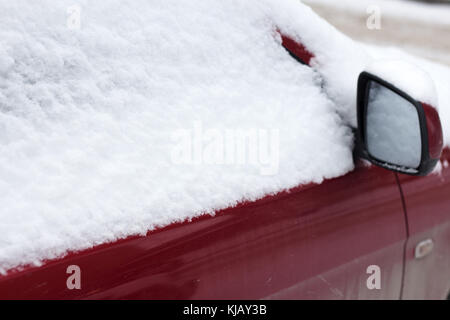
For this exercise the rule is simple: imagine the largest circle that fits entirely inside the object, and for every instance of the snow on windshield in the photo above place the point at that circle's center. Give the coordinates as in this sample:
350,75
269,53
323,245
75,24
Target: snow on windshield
116,118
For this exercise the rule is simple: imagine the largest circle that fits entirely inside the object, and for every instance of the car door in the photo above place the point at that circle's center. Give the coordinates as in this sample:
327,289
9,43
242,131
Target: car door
316,241
427,199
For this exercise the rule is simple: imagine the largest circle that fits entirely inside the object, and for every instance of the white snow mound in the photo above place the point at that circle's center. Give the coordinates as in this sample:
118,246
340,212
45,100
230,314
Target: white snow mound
130,117
89,116
407,77
440,75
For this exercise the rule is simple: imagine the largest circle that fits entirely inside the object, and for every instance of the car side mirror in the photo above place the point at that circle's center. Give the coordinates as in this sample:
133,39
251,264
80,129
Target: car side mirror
396,131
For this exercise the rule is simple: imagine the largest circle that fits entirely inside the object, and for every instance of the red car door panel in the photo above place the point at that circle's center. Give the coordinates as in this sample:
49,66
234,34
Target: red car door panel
427,202
313,242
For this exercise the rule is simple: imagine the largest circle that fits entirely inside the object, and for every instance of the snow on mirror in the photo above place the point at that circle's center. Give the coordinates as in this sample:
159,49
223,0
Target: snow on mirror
393,128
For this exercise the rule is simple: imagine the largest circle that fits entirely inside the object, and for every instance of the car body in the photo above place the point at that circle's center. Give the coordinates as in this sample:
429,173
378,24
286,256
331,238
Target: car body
315,241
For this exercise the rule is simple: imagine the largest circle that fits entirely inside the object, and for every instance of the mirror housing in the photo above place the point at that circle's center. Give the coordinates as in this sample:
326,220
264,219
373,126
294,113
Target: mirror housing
404,136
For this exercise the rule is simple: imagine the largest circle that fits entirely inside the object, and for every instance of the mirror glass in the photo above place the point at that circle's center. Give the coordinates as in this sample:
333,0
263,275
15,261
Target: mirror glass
392,128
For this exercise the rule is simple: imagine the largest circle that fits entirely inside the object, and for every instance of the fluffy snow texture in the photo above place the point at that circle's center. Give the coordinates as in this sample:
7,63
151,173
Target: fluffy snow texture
439,74
87,116
407,77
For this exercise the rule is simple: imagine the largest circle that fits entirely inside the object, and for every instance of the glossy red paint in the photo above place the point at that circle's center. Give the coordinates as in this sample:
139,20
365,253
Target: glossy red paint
427,202
434,130
297,49
313,242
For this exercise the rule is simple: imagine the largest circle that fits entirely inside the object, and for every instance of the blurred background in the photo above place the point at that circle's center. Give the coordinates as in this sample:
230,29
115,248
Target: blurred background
418,27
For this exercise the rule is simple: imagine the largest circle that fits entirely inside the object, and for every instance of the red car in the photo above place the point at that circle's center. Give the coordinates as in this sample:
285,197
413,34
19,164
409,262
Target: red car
380,231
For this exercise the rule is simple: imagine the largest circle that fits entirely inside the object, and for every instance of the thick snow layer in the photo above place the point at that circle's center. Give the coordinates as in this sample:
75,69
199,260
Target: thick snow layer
338,59
407,77
439,74
89,116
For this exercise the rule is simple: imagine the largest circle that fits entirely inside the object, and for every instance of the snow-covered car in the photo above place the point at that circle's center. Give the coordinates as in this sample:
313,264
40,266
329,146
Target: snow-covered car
216,149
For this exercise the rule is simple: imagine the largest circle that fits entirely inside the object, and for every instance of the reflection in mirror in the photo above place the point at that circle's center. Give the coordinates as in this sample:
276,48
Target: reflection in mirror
392,128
